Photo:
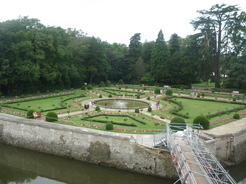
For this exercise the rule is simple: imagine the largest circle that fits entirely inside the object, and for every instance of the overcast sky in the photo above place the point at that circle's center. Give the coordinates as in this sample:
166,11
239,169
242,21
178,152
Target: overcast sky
114,20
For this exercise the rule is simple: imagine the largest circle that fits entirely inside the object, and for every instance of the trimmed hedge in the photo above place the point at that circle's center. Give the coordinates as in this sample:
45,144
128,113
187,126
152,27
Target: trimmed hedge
30,113
203,121
119,115
51,117
175,111
236,116
179,123
109,126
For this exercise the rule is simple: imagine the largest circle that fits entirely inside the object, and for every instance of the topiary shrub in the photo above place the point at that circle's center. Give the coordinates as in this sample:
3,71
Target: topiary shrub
108,83
89,87
97,108
169,92
203,121
179,123
100,96
234,99
136,110
30,113
101,84
149,109
148,98
83,88
121,81
51,117
109,95
236,116
109,126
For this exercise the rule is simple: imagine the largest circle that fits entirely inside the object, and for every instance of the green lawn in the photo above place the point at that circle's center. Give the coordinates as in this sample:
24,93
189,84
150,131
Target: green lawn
203,84
202,107
127,120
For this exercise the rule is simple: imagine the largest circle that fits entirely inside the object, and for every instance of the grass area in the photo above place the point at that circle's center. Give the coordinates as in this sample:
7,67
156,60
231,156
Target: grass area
191,107
91,122
203,84
200,107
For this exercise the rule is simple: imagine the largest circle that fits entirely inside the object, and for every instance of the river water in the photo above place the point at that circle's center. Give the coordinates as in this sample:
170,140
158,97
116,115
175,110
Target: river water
22,166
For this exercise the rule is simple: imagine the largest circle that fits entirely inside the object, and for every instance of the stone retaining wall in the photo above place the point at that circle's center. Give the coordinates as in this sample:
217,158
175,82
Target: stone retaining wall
73,142
228,147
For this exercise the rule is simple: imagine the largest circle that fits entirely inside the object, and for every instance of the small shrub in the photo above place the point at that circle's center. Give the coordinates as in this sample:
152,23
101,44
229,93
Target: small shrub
169,92
236,116
30,113
22,96
149,109
203,94
97,108
179,123
100,96
89,87
83,88
109,95
51,117
101,84
203,121
109,126
234,99
136,110
198,96
148,98
138,96
121,81
108,83
157,91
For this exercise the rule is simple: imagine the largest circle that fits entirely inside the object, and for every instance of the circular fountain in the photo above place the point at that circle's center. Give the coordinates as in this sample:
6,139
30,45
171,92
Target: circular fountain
117,103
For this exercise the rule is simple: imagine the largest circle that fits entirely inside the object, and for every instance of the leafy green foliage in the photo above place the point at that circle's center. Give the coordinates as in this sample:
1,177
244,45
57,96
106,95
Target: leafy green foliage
97,108
149,109
236,116
109,126
136,110
51,117
108,83
83,88
89,87
169,92
179,123
203,121
121,81
157,91
30,113
101,84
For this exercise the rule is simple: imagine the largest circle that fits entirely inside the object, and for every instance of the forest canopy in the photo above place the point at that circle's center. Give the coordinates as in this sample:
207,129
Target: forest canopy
34,57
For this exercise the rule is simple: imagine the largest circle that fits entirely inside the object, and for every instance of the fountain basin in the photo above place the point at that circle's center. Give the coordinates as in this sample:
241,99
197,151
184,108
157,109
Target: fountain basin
119,103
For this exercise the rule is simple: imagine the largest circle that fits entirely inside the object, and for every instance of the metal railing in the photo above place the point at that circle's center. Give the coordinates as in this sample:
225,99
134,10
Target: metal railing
194,163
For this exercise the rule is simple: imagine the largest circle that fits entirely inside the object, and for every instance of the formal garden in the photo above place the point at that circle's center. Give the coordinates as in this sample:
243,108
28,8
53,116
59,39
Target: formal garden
76,108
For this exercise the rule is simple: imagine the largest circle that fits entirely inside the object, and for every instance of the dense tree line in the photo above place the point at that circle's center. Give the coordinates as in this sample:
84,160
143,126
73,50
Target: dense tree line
34,57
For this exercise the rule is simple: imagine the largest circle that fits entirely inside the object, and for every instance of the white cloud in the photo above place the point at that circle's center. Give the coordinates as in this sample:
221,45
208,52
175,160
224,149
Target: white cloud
114,20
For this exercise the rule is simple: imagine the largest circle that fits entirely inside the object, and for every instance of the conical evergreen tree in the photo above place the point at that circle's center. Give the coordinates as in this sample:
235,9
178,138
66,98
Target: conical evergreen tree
159,58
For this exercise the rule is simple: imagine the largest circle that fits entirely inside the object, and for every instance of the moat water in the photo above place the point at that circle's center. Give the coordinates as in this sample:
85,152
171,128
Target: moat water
22,166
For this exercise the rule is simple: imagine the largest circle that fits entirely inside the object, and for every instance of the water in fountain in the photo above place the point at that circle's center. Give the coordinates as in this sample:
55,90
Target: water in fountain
119,104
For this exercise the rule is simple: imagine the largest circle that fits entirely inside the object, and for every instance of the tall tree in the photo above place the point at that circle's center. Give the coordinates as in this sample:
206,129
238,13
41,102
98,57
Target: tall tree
218,17
135,51
174,44
159,58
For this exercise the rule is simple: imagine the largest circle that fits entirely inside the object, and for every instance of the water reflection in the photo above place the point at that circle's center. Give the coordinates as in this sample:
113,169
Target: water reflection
21,166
